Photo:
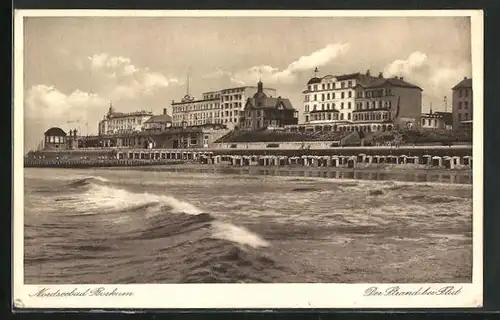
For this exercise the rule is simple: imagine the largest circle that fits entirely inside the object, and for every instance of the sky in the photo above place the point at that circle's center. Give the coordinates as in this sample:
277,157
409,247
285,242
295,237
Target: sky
75,66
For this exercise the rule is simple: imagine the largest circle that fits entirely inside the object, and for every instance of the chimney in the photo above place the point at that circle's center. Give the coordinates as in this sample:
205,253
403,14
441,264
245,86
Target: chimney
380,75
465,78
164,111
401,78
368,72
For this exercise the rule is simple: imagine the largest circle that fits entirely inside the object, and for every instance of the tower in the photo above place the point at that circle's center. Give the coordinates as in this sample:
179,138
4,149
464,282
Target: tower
260,87
111,110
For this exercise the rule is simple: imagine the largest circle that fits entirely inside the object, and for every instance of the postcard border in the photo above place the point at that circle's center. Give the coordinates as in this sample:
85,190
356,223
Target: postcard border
262,295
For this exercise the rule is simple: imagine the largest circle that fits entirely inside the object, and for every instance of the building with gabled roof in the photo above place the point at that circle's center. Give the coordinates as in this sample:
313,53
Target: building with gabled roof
262,111
158,122
462,104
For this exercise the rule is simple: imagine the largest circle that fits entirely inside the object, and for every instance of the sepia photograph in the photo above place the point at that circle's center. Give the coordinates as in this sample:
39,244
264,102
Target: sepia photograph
300,151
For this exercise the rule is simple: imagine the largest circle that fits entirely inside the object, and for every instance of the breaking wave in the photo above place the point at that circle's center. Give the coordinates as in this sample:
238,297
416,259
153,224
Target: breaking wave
206,248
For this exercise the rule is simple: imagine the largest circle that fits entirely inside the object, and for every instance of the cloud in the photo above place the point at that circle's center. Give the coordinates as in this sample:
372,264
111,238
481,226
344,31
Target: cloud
48,103
121,79
434,74
414,63
318,58
288,75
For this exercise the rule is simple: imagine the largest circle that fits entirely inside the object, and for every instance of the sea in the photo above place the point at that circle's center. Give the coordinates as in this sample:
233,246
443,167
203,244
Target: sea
181,225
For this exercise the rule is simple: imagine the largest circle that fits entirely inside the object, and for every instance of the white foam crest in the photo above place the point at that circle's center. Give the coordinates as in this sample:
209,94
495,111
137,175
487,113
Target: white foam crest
228,231
100,198
99,178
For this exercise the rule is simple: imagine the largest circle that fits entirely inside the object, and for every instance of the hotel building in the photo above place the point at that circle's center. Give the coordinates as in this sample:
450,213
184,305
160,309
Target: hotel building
462,104
362,102
119,122
223,107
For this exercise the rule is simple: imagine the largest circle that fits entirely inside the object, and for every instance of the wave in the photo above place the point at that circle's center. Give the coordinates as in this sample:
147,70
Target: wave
162,215
182,242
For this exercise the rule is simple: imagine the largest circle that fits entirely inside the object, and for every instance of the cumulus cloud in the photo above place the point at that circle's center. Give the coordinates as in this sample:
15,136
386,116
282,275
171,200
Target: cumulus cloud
47,102
434,74
125,80
414,63
270,74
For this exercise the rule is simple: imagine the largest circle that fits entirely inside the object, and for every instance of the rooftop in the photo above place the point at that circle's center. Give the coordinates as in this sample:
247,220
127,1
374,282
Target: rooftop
465,83
55,132
160,119
368,81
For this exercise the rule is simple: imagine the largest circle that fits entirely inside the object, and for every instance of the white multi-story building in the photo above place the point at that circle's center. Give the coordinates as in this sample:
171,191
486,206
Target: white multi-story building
119,122
224,107
362,102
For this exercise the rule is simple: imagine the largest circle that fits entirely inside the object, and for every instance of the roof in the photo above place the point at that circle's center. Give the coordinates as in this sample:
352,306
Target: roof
465,83
268,102
368,81
348,76
55,132
130,114
160,119
314,80
376,82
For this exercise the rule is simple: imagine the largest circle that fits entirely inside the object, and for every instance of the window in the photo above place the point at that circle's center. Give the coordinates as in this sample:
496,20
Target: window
466,92
306,108
333,95
466,104
341,116
460,93
315,87
348,105
323,86
341,105
342,95
350,94
328,96
342,84
466,116
307,118
460,105
459,116
349,84
349,116
322,97
315,98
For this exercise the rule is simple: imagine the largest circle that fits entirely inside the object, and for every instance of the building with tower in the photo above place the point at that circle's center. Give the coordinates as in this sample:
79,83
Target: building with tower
362,102
263,112
118,122
221,107
462,105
